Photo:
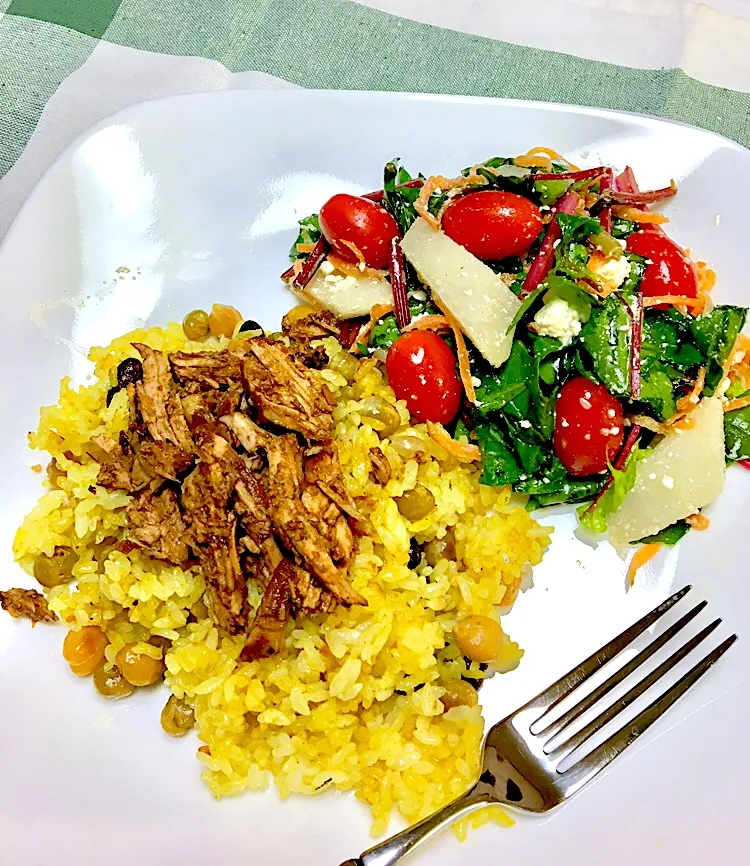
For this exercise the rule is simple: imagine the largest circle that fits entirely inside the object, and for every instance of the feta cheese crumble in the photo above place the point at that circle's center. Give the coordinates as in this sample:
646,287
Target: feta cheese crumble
611,271
558,319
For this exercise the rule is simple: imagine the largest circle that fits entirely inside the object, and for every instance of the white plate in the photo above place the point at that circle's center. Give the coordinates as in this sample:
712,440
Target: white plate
198,197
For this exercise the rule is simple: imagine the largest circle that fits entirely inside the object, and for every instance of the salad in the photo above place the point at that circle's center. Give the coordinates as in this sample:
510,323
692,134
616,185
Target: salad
540,319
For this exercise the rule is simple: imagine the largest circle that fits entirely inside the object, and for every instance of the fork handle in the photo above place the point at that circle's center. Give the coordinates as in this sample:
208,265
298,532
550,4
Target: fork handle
398,846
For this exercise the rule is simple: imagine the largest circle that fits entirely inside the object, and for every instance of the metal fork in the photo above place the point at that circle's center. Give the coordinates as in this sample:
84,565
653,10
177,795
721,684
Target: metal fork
520,765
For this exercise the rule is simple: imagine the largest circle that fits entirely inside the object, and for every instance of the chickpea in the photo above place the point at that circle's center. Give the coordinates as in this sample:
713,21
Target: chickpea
344,364
478,638
416,503
112,684
84,649
407,445
139,669
56,569
195,325
441,548
223,320
385,415
459,693
297,313
177,717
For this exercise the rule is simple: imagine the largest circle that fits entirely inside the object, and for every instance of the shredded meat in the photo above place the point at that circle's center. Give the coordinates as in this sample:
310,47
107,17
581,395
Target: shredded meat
155,524
323,468
321,323
296,529
203,407
285,392
381,468
27,604
211,484
158,401
267,634
209,369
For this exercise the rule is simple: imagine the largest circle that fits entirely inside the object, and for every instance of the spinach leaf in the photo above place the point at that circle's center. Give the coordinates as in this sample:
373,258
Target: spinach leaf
737,434
714,334
637,270
526,305
671,535
387,331
572,294
543,347
623,228
461,432
399,200
554,486
571,256
549,191
531,454
575,228
309,233
657,390
499,466
606,339
595,517
663,340
511,388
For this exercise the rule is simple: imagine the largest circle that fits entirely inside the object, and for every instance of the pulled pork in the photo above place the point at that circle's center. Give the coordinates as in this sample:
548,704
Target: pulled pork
230,460
28,604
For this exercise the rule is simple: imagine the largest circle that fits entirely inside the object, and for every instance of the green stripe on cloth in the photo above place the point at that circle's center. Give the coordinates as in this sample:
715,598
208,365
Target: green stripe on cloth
35,58
91,17
338,44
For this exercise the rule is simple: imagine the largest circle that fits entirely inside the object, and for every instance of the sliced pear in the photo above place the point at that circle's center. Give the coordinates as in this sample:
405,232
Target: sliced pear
476,296
682,473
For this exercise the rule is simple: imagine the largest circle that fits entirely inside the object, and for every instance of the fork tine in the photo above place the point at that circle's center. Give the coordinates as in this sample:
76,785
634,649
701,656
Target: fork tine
552,696
584,704
627,699
580,773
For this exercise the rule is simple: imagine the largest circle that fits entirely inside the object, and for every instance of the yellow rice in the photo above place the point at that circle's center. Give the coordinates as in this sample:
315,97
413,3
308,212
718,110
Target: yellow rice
325,713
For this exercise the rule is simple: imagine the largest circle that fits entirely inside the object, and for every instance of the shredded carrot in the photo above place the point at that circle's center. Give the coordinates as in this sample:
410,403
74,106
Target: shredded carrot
376,313
650,424
464,451
673,299
358,270
464,368
706,278
306,248
634,214
585,187
739,403
534,162
356,250
698,521
640,558
297,267
429,323
689,401
442,183
552,154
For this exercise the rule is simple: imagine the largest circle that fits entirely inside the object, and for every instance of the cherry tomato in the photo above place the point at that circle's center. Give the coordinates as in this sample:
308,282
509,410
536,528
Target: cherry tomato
492,224
670,273
363,223
588,427
422,370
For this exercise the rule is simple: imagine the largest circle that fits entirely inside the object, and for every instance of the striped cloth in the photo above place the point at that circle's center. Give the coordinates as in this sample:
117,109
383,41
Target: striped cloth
65,64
